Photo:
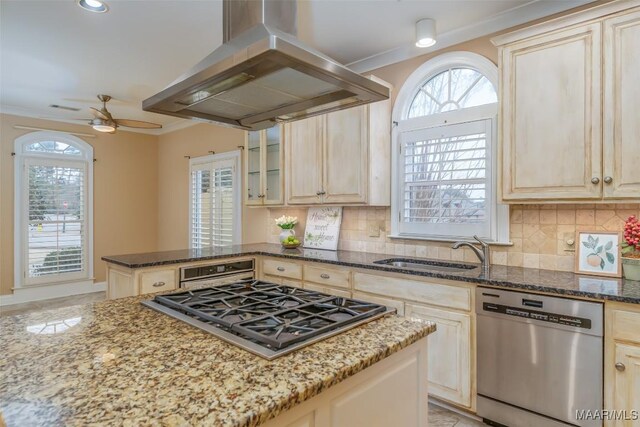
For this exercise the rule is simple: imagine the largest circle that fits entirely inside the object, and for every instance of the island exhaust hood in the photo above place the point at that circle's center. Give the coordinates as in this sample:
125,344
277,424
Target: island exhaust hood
262,75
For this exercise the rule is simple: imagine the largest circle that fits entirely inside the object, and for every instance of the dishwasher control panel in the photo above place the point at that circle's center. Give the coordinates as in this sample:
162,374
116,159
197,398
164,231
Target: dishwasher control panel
542,316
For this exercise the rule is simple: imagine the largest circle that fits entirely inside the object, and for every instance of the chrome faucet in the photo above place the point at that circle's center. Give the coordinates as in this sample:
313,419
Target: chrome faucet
484,254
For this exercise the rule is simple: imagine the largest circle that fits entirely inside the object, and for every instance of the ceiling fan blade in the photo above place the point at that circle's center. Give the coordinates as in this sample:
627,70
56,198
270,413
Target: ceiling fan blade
99,114
137,124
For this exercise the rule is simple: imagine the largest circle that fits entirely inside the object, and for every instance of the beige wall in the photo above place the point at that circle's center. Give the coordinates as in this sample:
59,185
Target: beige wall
125,192
173,183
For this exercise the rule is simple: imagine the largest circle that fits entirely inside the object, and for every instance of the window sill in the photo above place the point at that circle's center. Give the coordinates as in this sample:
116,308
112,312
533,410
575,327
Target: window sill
444,239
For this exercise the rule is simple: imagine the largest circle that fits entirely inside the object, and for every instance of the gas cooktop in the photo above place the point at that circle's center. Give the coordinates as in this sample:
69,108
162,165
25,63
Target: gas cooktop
264,318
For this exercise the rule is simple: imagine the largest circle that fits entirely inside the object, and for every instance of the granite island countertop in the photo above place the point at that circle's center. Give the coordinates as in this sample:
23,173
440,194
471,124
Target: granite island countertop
527,279
120,363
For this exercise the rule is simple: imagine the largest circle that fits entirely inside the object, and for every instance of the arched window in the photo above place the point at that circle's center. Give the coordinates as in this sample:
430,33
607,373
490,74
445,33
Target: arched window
444,185
53,215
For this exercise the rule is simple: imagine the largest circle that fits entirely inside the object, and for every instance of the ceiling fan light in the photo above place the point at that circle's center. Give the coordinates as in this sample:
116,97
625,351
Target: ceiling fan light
93,5
425,32
102,125
104,128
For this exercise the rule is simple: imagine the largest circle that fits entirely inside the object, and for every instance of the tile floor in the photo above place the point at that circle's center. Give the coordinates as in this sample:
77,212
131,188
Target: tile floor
438,416
442,417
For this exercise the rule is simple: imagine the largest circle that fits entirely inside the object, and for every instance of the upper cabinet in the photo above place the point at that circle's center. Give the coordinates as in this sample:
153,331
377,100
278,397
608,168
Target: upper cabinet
558,141
341,157
263,161
622,105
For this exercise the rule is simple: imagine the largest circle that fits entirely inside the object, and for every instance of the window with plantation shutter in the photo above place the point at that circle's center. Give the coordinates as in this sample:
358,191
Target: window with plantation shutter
53,215
215,201
444,185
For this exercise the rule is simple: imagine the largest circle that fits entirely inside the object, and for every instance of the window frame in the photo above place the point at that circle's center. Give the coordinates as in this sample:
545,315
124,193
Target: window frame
23,159
499,219
196,163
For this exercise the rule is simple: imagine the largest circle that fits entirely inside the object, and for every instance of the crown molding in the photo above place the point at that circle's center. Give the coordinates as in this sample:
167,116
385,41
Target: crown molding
34,114
565,21
522,14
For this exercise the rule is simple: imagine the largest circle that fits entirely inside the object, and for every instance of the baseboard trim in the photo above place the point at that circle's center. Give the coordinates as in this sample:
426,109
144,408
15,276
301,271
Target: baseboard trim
42,293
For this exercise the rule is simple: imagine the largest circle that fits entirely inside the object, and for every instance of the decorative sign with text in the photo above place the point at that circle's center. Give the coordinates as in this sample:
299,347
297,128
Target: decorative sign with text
323,228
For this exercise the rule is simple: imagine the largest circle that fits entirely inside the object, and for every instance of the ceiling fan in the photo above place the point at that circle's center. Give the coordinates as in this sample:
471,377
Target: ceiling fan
103,121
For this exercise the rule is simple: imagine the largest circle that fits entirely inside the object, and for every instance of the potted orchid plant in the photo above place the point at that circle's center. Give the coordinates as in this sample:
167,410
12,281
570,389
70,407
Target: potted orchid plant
288,235
631,249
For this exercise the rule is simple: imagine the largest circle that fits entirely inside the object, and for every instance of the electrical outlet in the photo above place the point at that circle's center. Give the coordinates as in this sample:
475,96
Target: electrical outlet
374,230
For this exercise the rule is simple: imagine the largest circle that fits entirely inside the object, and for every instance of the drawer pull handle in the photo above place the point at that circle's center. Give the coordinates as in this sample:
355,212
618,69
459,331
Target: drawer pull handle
620,367
158,284
280,269
325,276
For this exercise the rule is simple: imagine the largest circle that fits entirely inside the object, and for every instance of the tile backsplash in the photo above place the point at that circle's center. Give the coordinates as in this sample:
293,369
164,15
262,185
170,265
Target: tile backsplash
540,233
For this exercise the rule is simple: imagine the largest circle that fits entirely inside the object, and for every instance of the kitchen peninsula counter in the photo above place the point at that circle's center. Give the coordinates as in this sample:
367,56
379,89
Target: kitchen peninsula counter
120,363
527,279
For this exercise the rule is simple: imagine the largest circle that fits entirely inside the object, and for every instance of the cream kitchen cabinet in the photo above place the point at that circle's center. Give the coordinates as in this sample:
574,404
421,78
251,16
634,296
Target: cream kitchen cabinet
125,282
341,157
622,361
264,160
622,106
450,305
449,365
303,158
557,142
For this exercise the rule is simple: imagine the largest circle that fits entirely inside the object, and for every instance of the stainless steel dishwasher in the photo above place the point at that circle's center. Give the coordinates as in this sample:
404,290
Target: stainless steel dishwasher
539,359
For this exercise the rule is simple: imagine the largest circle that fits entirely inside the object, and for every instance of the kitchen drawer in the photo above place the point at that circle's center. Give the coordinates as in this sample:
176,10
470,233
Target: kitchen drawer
282,281
437,294
156,281
282,269
624,325
327,290
398,305
326,276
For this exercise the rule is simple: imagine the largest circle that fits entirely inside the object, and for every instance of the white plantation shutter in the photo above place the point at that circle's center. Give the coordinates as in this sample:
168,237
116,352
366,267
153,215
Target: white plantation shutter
445,180
215,201
53,215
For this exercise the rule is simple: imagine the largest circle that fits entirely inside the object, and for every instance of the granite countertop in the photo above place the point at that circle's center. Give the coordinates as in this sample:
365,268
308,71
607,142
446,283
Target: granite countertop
547,281
120,363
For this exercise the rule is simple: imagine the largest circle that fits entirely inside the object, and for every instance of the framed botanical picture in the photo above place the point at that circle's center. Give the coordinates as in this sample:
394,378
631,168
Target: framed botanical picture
598,253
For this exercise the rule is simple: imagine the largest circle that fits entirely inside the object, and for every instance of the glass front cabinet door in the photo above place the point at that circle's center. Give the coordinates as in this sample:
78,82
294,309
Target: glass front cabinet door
264,159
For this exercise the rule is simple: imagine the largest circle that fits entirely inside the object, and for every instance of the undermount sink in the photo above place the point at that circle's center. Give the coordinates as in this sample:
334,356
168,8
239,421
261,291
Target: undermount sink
427,265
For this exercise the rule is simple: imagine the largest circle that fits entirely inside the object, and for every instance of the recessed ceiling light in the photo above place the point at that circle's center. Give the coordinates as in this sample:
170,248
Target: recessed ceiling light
425,32
93,5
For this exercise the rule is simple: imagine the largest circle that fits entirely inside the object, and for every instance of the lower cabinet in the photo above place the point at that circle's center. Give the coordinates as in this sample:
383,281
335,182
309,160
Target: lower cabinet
282,281
622,364
327,290
125,282
156,281
626,381
450,359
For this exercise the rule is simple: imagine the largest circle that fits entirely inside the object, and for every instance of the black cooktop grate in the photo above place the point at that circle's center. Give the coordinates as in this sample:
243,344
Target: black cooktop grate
271,315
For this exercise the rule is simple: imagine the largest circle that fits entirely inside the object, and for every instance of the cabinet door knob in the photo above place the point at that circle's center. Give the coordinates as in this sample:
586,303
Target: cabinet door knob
158,284
280,268
595,180
608,180
325,276
620,367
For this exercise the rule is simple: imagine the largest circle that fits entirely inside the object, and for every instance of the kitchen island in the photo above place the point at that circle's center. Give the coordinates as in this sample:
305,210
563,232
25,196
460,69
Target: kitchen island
120,363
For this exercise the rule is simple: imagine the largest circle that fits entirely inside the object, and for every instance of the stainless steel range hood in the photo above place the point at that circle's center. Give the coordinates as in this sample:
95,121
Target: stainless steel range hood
262,74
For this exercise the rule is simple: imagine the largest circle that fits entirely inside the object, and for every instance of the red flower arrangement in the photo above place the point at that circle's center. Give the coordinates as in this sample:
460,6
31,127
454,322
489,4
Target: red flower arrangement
631,245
